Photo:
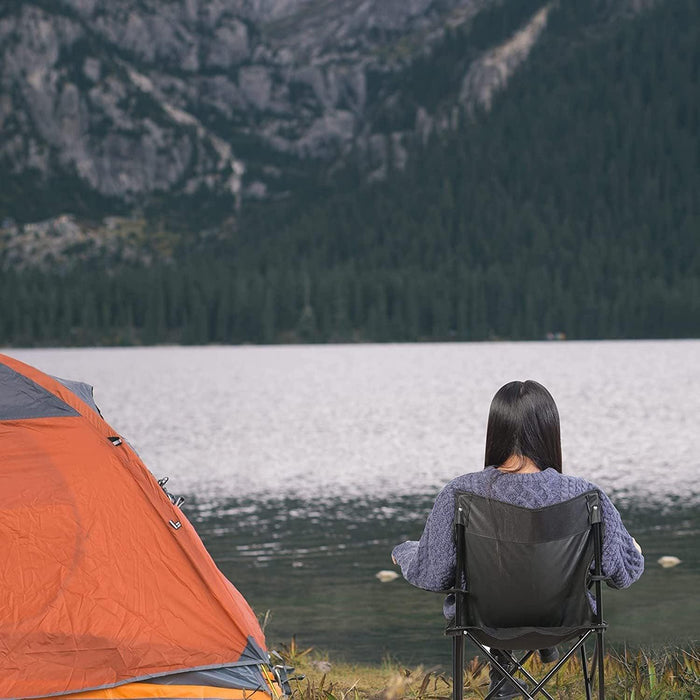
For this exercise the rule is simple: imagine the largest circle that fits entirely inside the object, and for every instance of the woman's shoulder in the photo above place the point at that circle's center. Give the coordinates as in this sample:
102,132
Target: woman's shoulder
573,486
465,482
478,482
560,486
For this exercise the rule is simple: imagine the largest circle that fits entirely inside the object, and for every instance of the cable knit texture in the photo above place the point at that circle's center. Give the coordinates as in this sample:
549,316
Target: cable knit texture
430,562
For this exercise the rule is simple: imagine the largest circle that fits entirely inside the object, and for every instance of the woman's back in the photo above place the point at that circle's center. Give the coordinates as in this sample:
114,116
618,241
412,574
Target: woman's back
430,562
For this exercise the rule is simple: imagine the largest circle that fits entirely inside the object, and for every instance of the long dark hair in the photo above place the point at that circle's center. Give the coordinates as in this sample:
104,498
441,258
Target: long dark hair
523,421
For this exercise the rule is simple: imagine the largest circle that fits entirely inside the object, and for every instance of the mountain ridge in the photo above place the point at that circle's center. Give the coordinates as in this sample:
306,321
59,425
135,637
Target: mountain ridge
249,99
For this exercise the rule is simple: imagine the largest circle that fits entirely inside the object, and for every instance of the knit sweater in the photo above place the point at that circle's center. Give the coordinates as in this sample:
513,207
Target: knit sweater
430,562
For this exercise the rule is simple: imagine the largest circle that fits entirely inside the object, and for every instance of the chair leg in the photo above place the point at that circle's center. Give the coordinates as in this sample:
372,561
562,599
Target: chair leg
501,662
601,665
539,687
458,667
584,666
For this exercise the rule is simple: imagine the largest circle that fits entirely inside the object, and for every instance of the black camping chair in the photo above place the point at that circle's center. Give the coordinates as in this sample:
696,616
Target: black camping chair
523,577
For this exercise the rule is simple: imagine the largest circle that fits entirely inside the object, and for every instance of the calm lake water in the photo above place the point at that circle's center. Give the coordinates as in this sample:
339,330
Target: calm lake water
304,465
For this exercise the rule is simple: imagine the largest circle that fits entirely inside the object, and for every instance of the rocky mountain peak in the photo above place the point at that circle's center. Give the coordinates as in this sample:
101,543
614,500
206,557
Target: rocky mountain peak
237,98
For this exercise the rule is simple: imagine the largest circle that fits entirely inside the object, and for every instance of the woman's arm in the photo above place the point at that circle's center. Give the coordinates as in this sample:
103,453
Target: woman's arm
430,562
622,558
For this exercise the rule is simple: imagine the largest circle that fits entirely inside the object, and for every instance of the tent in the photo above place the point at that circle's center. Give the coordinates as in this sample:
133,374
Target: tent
106,591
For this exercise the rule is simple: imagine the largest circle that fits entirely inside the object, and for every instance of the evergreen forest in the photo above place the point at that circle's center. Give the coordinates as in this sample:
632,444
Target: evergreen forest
572,207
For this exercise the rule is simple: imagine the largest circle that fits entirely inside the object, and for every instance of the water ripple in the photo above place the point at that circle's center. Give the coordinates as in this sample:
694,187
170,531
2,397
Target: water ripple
321,423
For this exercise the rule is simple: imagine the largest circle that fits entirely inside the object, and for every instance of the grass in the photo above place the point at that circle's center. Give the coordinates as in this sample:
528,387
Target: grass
673,674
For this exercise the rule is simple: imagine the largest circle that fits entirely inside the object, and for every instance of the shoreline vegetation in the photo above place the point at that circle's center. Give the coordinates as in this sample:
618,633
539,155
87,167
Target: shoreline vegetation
670,674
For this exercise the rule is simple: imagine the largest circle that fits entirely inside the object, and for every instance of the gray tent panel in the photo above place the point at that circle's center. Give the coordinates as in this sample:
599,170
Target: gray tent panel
245,673
247,677
21,398
82,391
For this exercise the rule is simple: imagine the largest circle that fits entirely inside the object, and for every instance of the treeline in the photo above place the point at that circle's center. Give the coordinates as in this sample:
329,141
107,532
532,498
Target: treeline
214,301
573,206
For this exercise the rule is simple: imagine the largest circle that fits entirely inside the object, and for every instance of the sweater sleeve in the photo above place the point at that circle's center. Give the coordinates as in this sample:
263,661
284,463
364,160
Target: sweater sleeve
621,560
430,562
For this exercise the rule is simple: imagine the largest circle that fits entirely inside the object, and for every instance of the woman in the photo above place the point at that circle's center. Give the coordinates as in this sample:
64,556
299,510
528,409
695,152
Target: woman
522,467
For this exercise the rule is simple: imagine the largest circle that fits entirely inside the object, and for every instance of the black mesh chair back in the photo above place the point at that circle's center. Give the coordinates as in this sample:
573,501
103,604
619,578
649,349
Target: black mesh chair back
525,576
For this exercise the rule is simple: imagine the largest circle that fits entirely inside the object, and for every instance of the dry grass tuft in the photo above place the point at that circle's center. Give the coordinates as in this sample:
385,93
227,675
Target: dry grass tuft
673,674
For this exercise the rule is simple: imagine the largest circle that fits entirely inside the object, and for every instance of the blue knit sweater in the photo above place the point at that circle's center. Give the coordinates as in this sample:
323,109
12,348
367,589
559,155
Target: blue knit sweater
430,562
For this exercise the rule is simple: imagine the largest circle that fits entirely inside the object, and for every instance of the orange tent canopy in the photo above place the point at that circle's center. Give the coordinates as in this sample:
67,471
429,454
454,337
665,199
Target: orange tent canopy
102,579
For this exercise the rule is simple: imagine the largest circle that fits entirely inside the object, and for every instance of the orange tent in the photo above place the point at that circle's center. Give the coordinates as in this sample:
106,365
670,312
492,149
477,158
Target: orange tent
105,586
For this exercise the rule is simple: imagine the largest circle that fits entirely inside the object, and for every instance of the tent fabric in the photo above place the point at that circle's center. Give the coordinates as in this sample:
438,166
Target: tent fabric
104,581
245,673
241,677
141,691
23,398
82,391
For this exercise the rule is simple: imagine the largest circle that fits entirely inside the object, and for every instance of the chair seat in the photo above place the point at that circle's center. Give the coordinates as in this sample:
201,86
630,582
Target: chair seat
520,638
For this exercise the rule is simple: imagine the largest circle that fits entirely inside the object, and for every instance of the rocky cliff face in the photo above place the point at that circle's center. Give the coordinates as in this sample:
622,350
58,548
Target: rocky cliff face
148,96
141,97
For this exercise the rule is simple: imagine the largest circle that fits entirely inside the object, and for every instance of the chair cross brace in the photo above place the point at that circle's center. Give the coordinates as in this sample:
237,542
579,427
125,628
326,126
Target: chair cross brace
519,666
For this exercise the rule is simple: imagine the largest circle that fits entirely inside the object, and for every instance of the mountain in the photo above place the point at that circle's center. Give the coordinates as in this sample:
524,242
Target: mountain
540,178
107,108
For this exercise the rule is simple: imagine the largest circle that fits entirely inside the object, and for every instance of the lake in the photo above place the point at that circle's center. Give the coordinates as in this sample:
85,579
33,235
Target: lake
304,465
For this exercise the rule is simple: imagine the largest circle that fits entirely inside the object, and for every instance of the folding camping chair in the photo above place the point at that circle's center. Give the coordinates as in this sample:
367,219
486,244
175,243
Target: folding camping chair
522,583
